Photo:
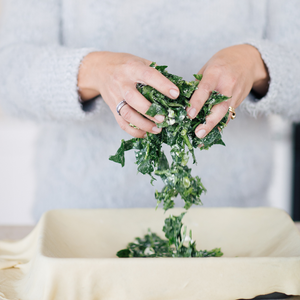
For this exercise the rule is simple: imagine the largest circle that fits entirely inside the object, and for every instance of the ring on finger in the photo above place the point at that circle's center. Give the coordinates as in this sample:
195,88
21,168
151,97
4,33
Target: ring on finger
232,110
119,106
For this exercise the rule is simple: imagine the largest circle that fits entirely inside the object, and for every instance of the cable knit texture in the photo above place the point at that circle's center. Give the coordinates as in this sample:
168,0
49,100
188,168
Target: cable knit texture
42,44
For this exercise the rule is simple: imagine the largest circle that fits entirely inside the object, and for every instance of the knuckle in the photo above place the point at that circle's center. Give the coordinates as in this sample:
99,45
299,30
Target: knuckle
147,74
116,76
206,87
128,95
217,69
239,90
125,69
224,105
210,124
126,113
136,132
146,126
130,67
232,80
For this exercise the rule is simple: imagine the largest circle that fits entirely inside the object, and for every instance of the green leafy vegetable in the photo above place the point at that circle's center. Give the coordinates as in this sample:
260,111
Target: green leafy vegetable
179,244
178,132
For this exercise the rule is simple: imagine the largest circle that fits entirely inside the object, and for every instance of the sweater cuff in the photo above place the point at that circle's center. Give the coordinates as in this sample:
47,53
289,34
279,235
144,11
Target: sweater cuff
58,85
279,62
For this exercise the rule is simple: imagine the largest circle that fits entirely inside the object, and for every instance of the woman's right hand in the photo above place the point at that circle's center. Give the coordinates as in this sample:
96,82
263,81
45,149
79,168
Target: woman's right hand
114,76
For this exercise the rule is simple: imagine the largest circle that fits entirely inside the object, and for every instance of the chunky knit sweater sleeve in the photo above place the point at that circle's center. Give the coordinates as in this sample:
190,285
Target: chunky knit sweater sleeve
280,51
38,76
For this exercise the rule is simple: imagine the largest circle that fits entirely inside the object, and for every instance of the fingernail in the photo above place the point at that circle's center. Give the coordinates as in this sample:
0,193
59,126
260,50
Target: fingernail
192,112
159,118
174,93
145,135
156,129
200,133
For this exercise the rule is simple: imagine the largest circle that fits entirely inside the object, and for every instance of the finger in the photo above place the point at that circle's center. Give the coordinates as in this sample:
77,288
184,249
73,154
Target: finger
205,87
217,114
132,116
135,132
137,101
150,76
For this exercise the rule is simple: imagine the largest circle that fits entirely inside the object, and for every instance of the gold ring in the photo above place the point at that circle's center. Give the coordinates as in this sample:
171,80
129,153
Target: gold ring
232,110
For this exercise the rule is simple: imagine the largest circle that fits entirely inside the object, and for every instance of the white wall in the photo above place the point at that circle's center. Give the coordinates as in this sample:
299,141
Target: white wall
280,193
17,182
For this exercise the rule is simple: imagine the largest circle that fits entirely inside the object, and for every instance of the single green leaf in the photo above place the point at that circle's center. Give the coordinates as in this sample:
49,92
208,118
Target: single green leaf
198,76
155,109
119,157
123,253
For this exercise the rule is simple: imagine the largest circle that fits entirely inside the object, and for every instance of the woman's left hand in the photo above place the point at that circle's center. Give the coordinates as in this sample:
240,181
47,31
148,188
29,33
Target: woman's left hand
233,72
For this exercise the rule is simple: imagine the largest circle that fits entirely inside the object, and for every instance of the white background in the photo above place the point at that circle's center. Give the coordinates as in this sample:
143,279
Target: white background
17,183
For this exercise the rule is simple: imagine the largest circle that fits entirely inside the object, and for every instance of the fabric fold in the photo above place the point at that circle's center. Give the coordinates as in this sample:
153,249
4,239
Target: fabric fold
7,264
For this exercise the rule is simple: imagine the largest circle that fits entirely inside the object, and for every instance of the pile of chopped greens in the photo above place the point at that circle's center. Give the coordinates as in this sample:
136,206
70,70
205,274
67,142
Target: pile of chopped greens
179,244
178,131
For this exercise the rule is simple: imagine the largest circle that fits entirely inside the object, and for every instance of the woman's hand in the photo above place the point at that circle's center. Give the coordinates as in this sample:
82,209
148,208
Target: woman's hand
114,76
233,71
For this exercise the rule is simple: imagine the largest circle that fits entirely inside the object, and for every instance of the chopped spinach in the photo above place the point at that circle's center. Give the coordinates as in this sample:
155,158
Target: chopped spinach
178,132
179,244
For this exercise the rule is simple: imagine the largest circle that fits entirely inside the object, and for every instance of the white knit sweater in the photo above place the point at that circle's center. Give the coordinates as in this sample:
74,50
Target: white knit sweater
42,43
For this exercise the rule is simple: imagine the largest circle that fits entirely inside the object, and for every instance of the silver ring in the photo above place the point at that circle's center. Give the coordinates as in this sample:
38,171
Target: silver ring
120,105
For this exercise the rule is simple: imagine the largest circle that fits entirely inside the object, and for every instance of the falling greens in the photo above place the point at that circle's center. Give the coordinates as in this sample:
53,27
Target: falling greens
178,132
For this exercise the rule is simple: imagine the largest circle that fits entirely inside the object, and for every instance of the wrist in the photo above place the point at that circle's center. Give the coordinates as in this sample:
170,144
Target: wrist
261,76
88,77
